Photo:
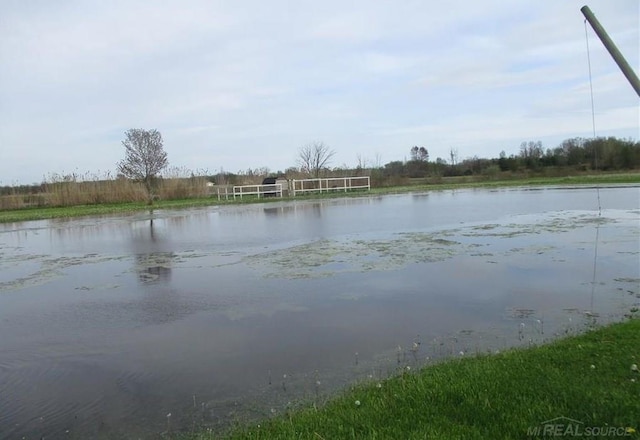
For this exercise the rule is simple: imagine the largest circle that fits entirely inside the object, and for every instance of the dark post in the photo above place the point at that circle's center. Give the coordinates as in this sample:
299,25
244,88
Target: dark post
611,47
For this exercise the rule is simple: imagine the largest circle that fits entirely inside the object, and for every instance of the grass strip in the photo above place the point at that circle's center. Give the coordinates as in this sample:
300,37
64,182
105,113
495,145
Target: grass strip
28,214
581,385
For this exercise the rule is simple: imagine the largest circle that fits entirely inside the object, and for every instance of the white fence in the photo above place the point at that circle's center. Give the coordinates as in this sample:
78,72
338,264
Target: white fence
330,184
222,191
274,190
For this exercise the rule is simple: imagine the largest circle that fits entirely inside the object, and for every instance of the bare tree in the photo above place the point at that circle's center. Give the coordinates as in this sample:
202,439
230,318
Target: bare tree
420,154
377,161
362,162
314,157
414,152
144,157
453,153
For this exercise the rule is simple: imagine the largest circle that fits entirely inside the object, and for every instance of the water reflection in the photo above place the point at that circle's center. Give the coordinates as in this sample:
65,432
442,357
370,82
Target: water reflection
154,267
153,261
279,210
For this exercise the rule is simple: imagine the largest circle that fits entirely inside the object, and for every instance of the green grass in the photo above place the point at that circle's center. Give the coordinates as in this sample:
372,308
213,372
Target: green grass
18,215
26,214
472,182
587,378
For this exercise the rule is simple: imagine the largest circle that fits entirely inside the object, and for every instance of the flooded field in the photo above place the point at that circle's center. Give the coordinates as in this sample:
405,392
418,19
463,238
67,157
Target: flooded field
132,326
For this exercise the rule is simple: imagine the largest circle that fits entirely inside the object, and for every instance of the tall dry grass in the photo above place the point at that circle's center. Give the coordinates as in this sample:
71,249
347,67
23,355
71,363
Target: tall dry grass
92,189
183,188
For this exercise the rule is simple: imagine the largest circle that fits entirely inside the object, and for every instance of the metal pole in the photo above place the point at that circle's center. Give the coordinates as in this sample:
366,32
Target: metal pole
613,50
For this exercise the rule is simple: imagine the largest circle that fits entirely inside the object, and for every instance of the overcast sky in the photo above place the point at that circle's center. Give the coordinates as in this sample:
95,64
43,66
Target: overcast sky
244,84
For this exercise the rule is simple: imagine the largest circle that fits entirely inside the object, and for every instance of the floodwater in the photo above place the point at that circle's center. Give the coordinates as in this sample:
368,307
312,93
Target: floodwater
133,326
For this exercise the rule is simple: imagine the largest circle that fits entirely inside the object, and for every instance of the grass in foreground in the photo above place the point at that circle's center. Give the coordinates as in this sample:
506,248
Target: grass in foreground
589,378
27,214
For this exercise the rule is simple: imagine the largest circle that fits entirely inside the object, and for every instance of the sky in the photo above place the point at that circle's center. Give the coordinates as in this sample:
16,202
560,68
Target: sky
234,85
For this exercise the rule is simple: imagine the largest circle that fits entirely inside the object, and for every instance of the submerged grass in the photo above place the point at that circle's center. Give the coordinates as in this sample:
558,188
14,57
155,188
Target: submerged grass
43,213
592,379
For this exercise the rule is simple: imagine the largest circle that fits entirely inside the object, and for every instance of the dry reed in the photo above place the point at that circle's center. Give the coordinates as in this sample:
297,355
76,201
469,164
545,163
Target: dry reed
92,189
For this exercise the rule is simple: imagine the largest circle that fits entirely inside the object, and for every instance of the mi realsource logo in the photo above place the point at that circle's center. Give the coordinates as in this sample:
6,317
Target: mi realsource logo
566,427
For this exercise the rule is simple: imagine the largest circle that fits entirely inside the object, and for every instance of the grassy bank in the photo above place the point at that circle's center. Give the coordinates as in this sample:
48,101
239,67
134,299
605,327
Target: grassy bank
25,214
590,379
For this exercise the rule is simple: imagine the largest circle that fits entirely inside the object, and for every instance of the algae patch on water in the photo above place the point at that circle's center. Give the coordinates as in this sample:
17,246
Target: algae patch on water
328,257
43,268
325,258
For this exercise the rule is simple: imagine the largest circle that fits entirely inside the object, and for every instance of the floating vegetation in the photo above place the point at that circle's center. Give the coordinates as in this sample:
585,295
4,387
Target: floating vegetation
521,313
154,267
485,227
628,280
553,224
28,270
326,258
46,268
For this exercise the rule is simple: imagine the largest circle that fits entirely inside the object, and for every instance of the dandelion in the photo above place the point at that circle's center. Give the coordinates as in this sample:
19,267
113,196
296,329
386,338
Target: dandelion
593,367
379,385
629,430
521,331
541,325
357,403
408,368
634,367
414,350
461,353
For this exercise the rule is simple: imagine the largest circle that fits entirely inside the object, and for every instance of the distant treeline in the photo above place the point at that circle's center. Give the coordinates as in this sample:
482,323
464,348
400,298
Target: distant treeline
575,155
572,156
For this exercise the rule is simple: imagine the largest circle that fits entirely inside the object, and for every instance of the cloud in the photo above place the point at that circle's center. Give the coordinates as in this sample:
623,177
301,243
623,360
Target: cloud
244,84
